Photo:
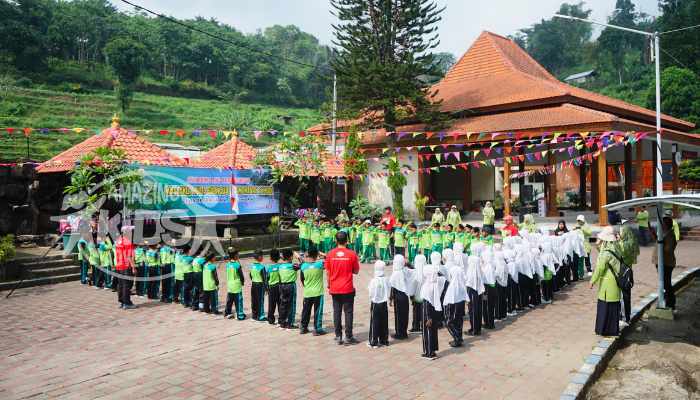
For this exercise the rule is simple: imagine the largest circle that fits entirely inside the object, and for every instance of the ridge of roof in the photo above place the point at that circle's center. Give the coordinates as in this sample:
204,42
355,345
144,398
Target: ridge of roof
221,156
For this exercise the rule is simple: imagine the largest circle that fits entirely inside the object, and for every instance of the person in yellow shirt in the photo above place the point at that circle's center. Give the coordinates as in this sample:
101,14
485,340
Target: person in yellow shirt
676,228
489,218
642,218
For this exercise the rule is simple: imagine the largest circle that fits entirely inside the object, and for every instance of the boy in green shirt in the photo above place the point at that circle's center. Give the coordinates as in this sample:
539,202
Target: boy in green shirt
312,280
383,242
104,247
197,268
141,270
258,277
327,237
436,238
413,239
288,290
210,285
83,260
153,264
167,257
304,233
94,261
368,252
426,243
179,275
315,236
399,238
187,276
273,285
448,237
234,286
357,229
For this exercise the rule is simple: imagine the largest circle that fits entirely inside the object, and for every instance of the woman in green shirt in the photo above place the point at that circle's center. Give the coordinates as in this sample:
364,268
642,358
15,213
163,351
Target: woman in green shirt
607,266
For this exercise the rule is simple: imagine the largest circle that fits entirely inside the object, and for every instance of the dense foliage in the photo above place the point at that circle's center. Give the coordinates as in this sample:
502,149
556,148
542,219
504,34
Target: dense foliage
58,42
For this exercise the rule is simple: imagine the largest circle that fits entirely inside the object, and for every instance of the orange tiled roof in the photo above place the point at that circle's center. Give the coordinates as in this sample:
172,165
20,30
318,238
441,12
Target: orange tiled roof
222,156
137,149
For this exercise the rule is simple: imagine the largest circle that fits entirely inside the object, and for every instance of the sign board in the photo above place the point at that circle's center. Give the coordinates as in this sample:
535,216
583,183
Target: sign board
198,192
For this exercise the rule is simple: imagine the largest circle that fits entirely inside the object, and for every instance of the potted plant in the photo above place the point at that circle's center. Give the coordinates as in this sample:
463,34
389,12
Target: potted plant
498,205
420,202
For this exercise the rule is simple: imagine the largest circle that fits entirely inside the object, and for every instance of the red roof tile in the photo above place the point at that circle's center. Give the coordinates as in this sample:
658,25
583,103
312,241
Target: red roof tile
222,156
137,150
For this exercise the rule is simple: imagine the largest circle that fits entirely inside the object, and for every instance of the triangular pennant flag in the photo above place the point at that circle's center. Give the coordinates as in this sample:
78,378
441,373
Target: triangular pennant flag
27,131
529,156
428,135
438,156
475,164
487,152
445,145
493,144
538,156
544,152
432,147
468,135
483,162
584,134
571,151
476,153
456,155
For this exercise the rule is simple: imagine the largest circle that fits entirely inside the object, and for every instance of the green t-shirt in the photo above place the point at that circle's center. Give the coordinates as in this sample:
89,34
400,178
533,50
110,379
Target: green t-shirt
328,232
197,264
256,272
425,239
93,254
303,229
643,219
82,253
179,267
313,278
187,263
368,236
233,279
399,237
315,234
273,274
287,273
166,255
105,250
413,238
152,259
208,282
448,238
436,237
139,255
382,239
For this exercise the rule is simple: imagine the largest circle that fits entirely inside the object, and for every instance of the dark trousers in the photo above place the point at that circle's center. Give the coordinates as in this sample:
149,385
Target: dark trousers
548,290
525,285
489,310
317,304
124,287
257,300
343,304
378,324
399,250
210,300
178,291
273,299
237,299
166,283
475,303
669,293
512,295
98,277
644,236
141,272
197,296
536,290
187,289
400,313
287,304
417,316
587,260
430,333
454,314
501,306
115,282
153,285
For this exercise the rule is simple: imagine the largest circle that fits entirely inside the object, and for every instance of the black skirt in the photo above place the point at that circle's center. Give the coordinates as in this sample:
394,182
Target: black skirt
607,319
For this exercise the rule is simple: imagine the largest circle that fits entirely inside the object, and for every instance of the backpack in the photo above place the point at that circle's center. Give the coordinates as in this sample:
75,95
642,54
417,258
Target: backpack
624,278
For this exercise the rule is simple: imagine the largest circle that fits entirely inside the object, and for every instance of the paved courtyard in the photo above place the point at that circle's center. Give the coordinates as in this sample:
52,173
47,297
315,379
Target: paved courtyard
70,341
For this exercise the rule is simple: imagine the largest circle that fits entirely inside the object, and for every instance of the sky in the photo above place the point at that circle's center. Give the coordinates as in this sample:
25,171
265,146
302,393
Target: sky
462,20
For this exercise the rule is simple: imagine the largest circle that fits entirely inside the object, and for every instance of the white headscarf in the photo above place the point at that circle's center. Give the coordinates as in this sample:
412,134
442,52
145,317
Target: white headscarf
487,267
501,268
448,259
431,290
378,286
419,266
511,265
401,278
457,290
474,277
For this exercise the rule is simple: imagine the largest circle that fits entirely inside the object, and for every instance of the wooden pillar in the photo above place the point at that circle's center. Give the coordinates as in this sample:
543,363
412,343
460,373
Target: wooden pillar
582,181
506,187
652,144
639,169
628,172
551,182
602,181
594,186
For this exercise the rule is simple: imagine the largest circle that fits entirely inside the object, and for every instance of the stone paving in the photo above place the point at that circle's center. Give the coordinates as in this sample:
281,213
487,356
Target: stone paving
69,341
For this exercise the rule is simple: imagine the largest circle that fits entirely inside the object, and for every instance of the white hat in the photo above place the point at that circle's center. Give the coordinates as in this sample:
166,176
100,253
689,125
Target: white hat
368,221
607,234
668,213
580,218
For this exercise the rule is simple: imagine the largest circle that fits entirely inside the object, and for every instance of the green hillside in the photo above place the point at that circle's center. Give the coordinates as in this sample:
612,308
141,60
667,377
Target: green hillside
40,108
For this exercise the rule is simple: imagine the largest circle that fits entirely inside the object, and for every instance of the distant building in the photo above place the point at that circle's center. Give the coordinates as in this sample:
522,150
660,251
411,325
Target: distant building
181,151
581,77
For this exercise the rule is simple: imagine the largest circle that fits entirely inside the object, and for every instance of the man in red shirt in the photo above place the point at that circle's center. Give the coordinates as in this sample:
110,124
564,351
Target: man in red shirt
125,267
510,229
341,264
389,219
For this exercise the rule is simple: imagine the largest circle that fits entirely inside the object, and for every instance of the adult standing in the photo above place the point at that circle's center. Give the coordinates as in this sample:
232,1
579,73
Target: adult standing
669,248
642,218
587,232
607,266
489,218
438,217
341,264
629,249
125,267
453,217
510,229
388,220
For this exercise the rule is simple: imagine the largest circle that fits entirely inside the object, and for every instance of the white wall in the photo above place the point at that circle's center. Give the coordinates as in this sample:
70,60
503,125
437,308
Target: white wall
377,191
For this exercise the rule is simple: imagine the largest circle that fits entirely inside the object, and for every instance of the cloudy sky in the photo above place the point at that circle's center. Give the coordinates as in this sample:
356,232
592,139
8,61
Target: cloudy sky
462,20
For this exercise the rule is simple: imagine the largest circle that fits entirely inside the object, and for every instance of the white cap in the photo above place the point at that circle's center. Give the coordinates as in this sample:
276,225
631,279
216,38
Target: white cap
580,218
368,221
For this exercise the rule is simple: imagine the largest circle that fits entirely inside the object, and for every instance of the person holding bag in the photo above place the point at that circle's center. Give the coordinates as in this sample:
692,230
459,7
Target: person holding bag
607,268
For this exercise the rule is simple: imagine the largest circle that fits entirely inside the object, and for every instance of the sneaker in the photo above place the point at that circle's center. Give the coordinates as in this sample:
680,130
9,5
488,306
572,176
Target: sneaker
121,305
396,337
129,306
320,333
414,330
351,340
433,357
371,346
426,356
589,273
339,341
303,331
293,327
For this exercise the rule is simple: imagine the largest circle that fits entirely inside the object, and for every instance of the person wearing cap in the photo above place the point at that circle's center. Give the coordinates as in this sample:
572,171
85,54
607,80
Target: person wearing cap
587,232
642,218
453,217
489,218
510,229
607,267
125,267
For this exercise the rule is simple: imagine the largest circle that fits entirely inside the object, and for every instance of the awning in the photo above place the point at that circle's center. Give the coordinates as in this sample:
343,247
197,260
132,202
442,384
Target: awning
685,200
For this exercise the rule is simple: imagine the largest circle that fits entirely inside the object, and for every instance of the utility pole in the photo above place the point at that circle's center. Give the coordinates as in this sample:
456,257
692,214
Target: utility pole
333,116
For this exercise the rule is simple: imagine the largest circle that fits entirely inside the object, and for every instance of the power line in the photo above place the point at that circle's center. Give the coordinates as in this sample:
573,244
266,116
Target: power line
223,39
680,29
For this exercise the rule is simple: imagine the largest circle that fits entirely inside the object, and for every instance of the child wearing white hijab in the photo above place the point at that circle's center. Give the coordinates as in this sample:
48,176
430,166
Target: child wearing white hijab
475,288
430,292
416,301
379,312
525,275
513,289
402,287
548,282
454,301
491,298
501,283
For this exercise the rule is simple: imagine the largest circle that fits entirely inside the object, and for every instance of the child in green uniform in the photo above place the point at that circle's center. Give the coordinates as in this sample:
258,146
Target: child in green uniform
383,242
425,242
273,284
368,233
141,270
83,260
234,286
327,236
304,233
94,261
167,257
187,277
210,285
288,290
413,239
399,238
357,229
436,238
153,264
312,280
179,275
197,268
448,237
258,278
315,236
106,262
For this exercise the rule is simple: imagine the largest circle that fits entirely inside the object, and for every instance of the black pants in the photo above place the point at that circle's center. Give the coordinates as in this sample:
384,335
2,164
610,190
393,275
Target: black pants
399,250
124,287
317,304
454,314
166,283
237,299
197,295
489,310
501,306
525,285
512,295
257,300
536,290
153,285
548,290
177,289
430,333
273,299
587,260
669,293
209,300
287,304
98,276
378,324
417,315
573,267
474,311
343,304
115,282
400,313
187,289
141,284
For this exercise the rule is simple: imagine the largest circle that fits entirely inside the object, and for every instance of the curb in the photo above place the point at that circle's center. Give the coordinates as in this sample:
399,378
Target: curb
595,363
